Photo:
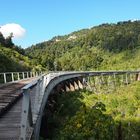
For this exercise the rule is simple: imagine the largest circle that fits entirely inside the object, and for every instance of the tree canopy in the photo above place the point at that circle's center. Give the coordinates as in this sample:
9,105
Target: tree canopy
91,49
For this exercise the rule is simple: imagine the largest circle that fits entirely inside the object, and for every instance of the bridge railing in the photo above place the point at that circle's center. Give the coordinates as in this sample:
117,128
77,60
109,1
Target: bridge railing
26,110
30,106
16,76
31,109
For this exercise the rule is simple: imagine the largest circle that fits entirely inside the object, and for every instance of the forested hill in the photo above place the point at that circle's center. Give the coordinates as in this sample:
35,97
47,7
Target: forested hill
107,46
12,57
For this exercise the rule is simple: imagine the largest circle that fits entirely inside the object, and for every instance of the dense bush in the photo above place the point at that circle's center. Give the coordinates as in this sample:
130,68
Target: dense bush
84,115
108,46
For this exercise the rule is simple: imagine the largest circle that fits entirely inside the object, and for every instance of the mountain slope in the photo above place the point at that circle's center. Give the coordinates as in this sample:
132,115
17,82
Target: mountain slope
12,57
107,46
11,60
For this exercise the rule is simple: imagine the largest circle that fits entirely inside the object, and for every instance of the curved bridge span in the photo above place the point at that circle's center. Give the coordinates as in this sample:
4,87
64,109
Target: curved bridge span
22,121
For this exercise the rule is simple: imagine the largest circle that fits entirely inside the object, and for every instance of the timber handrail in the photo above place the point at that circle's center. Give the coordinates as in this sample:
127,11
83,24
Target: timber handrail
9,77
46,82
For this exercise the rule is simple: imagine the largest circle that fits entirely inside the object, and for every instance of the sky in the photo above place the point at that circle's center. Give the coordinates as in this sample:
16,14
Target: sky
34,21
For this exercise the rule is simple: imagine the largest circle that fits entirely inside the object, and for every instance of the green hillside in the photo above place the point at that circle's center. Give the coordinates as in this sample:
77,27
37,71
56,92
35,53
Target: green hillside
104,47
11,60
12,57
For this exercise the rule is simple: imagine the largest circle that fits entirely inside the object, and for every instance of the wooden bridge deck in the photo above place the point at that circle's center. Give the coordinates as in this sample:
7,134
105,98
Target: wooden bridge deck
11,104
10,109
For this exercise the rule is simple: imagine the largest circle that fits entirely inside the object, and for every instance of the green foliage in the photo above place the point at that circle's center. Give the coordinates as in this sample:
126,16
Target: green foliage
83,115
12,57
11,60
7,42
108,46
89,123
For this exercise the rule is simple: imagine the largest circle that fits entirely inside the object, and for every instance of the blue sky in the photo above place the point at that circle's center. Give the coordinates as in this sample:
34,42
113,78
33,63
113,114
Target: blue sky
44,19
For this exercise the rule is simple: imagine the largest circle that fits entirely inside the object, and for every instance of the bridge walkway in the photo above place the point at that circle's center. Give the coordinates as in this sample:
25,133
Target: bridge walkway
20,117
10,109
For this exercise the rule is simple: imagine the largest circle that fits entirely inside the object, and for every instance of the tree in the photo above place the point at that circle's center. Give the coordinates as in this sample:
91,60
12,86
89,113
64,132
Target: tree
2,39
8,41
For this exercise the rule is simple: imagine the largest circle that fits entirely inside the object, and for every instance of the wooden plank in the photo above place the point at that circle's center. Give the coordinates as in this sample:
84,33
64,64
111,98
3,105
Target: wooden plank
10,121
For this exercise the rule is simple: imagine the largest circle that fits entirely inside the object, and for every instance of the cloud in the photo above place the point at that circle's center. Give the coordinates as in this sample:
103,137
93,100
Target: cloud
16,29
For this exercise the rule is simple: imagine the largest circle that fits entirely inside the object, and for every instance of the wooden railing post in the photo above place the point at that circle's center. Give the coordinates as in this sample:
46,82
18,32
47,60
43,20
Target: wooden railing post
30,74
12,75
18,76
27,75
138,76
126,78
108,80
4,76
37,74
122,80
114,76
114,81
131,77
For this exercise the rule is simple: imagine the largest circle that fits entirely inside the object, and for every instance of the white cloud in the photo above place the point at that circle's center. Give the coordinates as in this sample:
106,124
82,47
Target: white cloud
16,29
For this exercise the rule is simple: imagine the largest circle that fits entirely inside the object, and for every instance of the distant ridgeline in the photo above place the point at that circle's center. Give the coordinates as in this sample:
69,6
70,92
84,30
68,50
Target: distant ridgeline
107,46
103,47
12,57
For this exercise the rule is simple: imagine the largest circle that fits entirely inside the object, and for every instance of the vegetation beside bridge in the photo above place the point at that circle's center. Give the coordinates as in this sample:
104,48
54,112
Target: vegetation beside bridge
84,115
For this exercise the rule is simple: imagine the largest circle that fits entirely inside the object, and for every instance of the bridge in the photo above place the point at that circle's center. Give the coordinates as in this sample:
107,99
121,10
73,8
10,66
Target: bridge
24,95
